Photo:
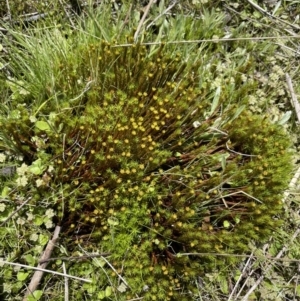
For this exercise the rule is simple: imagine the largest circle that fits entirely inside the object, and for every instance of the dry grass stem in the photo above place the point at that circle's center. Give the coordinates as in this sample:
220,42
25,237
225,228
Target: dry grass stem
16,211
44,270
119,276
8,10
240,255
292,185
260,9
37,276
66,283
126,20
74,257
240,278
163,13
267,269
67,14
143,19
210,40
294,100
246,155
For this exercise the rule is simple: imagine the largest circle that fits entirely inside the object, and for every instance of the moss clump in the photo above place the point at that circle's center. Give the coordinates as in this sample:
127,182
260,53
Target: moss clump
147,165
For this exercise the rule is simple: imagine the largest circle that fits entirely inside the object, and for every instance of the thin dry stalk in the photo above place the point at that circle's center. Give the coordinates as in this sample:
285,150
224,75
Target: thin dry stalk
66,283
240,255
163,13
296,284
292,185
260,9
143,19
245,281
8,10
77,258
16,211
267,269
126,20
240,277
210,40
37,276
296,106
67,14
44,270
120,277
294,100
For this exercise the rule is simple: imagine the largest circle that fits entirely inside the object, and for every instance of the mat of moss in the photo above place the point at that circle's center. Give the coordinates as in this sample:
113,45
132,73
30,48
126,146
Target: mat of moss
137,153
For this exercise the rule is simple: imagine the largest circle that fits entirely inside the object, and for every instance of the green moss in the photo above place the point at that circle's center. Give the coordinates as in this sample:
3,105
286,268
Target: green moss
147,165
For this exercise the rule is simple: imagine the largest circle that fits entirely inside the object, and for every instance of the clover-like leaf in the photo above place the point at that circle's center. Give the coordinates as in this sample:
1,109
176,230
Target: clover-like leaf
35,296
21,276
42,125
226,224
108,291
43,239
101,295
37,167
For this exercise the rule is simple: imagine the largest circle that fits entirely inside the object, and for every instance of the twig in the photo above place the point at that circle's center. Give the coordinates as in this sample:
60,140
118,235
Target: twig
210,40
294,100
12,214
37,276
249,274
76,7
86,88
44,270
125,21
120,277
255,20
28,17
8,10
238,255
66,283
296,52
266,270
240,277
243,192
67,14
5,65
74,257
296,284
163,13
217,130
246,155
292,185
271,16
143,19
35,17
